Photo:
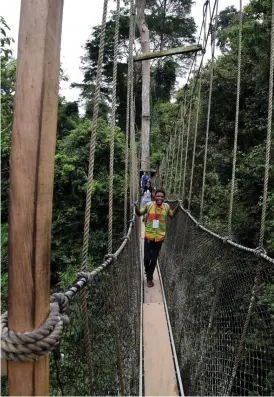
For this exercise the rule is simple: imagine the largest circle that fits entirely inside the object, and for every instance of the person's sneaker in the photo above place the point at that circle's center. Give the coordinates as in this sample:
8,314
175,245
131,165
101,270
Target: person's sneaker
150,283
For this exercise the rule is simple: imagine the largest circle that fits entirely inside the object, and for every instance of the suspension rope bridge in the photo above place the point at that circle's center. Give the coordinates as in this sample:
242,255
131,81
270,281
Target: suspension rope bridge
205,324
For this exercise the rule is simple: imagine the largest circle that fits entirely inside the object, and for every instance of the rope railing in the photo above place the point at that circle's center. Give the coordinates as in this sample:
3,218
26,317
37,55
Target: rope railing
232,191
11,342
269,133
93,138
196,123
216,292
186,148
30,346
208,114
89,191
113,304
113,112
128,114
182,123
182,114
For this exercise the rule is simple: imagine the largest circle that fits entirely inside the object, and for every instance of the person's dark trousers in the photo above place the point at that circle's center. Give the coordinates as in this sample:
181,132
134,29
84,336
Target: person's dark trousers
151,253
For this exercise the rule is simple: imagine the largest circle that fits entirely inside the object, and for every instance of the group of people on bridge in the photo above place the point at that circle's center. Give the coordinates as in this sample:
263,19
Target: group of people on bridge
155,211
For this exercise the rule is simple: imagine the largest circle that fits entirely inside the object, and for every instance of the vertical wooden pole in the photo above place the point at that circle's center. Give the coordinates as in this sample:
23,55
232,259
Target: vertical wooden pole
31,184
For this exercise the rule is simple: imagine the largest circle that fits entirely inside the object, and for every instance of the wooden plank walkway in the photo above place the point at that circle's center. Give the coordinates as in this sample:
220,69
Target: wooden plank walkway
159,371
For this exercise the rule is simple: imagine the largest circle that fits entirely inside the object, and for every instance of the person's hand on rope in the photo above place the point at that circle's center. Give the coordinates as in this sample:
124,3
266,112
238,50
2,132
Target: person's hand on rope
179,204
137,209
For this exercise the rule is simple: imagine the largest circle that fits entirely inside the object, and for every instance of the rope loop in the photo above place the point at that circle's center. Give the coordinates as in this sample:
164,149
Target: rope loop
62,301
226,239
260,251
110,256
31,346
86,275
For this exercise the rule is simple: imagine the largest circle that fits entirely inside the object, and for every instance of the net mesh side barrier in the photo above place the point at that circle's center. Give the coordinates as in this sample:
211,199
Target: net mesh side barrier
220,302
113,304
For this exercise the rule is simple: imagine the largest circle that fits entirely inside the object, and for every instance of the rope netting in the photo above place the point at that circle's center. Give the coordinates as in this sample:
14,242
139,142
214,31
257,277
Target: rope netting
113,307
221,310
108,362
219,293
95,337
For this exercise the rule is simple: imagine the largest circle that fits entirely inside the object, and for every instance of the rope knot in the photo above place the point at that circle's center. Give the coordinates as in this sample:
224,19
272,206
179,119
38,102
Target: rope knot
225,239
62,301
33,345
110,256
125,238
86,275
259,251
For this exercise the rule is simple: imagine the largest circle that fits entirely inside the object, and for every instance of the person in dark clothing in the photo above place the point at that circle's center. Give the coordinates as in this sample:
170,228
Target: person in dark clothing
155,231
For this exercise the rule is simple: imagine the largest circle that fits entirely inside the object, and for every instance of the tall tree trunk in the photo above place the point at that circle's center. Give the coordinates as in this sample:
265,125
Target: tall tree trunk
144,33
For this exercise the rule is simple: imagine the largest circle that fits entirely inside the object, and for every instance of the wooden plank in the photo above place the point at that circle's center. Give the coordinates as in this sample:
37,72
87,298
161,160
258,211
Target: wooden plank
153,294
31,186
165,53
159,371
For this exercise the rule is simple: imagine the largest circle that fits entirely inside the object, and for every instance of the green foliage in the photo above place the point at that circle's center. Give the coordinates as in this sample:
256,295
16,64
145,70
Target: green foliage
167,29
8,73
71,168
252,127
6,41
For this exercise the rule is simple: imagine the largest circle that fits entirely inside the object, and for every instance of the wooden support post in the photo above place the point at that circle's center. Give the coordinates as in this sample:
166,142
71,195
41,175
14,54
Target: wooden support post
4,367
171,51
31,183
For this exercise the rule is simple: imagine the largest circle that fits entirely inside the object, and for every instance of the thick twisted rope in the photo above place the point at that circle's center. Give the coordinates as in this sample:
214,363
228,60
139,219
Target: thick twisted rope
177,175
269,132
30,346
133,151
87,343
129,74
194,143
113,113
208,112
186,149
93,138
197,115
167,163
172,160
182,123
232,191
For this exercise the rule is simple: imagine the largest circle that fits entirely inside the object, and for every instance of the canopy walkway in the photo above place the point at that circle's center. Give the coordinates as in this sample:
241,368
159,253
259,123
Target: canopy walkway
206,328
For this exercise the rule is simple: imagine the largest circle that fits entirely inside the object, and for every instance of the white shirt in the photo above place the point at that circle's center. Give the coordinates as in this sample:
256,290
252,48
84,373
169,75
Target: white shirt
147,195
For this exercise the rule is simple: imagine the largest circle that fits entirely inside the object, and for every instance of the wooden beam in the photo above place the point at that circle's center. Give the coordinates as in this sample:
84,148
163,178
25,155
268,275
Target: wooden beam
171,51
31,182
4,367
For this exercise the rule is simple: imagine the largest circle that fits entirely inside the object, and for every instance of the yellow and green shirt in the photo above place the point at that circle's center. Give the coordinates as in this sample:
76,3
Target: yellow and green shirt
155,212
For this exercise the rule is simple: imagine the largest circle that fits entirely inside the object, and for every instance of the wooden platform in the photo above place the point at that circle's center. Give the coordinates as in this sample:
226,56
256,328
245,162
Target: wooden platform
159,371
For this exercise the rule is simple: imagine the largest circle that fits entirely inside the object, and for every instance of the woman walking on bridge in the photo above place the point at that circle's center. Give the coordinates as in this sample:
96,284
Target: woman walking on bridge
157,212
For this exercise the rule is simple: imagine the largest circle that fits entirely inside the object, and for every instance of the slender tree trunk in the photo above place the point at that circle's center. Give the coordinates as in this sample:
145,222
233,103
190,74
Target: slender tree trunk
144,33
